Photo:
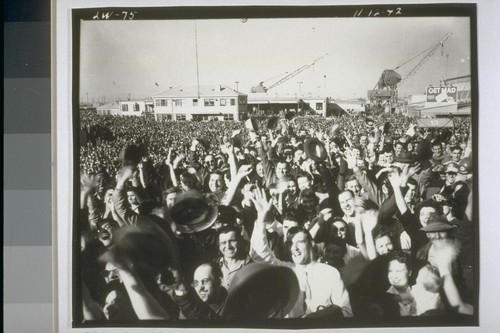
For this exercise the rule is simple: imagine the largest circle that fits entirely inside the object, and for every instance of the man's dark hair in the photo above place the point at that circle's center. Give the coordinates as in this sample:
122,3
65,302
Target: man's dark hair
333,240
310,194
400,257
101,222
295,230
304,174
280,160
147,206
380,231
171,190
428,203
351,178
291,214
230,228
412,181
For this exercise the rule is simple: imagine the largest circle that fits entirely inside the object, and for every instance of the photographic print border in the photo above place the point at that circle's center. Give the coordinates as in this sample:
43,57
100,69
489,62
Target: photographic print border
271,11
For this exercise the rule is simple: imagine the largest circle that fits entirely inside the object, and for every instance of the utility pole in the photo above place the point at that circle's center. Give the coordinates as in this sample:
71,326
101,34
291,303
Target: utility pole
87,105
324,84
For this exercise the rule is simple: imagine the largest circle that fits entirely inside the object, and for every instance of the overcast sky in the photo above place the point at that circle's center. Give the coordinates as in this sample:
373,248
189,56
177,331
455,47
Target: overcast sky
136,54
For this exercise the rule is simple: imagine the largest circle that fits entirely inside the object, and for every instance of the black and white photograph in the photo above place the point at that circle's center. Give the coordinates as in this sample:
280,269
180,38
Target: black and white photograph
281,166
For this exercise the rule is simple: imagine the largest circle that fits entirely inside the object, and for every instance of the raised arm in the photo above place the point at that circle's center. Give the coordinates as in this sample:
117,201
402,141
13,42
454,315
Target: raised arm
259,245
126,215
244,171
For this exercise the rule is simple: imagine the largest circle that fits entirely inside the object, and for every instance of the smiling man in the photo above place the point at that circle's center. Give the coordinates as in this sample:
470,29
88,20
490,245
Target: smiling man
233,255
205,298
320,285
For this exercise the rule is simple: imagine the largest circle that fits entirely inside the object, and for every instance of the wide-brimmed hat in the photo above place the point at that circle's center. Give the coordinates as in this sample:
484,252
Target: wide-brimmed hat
315,149
272,123
131,155
252,124
437,223
204,143
261,291
146,245
404,157
192,213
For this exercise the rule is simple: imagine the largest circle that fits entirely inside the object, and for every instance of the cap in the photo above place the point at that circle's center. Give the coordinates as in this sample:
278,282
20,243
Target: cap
436,223
465,165
451,167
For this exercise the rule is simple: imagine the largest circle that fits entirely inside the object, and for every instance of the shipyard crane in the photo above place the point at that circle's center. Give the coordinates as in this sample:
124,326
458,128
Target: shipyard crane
260,88
390,80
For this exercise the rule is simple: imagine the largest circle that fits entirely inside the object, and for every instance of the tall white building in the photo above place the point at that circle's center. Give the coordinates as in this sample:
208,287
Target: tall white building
203,103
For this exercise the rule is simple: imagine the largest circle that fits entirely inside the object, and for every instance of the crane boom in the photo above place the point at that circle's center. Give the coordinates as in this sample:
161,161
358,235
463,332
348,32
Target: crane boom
261,88
425,58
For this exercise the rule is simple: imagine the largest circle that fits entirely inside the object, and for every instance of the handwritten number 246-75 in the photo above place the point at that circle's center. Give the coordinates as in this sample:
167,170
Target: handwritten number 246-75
125,15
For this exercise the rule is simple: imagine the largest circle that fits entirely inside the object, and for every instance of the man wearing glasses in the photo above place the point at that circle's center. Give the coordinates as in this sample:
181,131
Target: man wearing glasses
205,298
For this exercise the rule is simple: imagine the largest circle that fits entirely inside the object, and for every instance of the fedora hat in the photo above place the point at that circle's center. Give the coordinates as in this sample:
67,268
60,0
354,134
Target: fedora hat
315,149
387,128
130,155
236,141
252,124
289,115
437,223
192,213
261,291
272,123
404,157
145,245
204,143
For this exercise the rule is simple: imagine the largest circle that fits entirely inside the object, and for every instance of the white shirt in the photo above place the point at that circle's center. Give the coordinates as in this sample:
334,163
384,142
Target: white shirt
320,284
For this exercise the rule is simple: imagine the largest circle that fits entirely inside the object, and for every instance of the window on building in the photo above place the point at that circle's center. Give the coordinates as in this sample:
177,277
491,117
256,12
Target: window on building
228,117
195,102
222,102
242,101
125,107
209,102
163,117
177,102
136,107
319,106
233,101
180,117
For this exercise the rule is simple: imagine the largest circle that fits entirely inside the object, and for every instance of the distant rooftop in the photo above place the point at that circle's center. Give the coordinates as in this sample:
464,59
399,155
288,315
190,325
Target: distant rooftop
193,91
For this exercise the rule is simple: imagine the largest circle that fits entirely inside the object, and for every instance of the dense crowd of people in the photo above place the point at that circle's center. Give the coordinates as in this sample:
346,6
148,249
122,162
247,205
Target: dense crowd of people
358,216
